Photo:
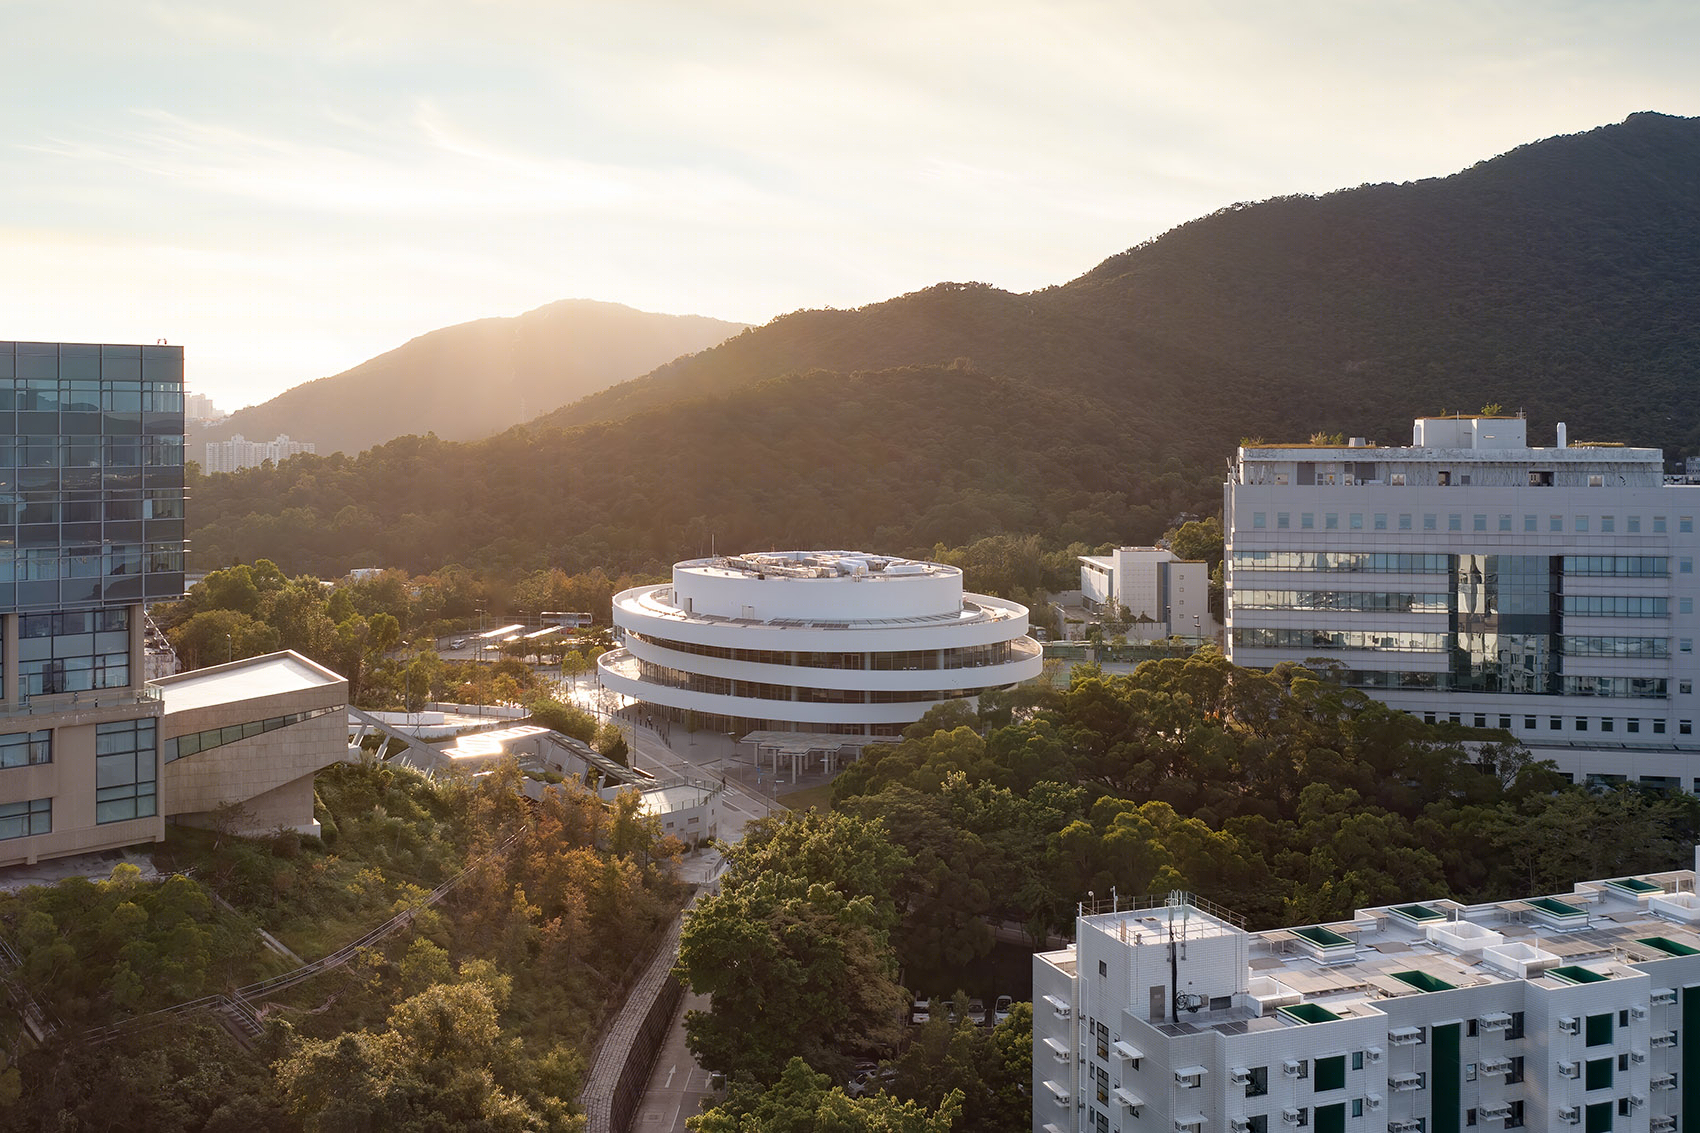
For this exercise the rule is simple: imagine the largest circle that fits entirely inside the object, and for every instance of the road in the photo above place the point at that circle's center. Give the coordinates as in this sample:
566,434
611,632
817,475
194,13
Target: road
677,1085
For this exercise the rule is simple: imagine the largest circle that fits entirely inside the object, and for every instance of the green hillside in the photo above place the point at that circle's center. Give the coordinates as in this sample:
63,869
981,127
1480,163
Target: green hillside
898,460
1560,279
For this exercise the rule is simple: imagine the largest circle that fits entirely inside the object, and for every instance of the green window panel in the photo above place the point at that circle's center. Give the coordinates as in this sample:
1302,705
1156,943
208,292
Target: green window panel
1599,1029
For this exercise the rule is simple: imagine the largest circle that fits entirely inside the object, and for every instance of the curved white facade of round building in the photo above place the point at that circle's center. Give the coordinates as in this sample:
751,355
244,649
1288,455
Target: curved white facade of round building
820,641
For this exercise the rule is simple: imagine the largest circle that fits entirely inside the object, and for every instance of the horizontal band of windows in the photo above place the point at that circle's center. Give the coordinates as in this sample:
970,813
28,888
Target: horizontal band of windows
24,749
967,657
1633,688
1377,601
1618,566
1352,562
74,621
1265,637
756,690
22,819
1616,606
74,674
1581,646
46,563
1629,688
195,742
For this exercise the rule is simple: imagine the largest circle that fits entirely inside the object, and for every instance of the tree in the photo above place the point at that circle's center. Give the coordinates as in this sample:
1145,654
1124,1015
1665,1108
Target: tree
611,742
216,636
567,719
801,1101
437,1065
794,949
1199,540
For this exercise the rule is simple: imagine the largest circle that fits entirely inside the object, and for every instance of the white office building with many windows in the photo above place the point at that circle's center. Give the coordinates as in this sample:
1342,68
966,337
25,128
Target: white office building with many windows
1470,577
1577,1011
836,642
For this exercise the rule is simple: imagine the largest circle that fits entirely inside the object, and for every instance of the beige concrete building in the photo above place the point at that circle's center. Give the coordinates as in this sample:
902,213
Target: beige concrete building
251,734
111,767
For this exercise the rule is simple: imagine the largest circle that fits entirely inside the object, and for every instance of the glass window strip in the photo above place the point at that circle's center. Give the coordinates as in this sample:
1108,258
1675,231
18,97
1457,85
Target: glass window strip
1351,562
196,742
1271,637
1374,601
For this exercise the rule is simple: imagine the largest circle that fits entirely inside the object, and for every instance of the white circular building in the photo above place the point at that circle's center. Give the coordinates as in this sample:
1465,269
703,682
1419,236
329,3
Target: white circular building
813,641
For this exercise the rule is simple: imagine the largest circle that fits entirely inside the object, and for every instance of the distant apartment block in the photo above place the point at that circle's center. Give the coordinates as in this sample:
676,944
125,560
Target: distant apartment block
1165,595
239,452
199,407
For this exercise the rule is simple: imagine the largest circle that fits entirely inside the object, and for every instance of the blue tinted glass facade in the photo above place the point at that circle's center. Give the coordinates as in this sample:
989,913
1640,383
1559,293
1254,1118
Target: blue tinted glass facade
91,475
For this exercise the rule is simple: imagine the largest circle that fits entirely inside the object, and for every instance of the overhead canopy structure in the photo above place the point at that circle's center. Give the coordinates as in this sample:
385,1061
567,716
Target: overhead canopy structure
799,749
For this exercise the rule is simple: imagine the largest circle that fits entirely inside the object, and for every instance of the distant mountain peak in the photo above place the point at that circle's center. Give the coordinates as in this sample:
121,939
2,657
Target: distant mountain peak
518,365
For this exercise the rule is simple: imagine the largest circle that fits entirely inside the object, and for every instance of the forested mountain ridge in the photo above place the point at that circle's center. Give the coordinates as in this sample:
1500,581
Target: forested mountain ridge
899,460
1557,278
470,380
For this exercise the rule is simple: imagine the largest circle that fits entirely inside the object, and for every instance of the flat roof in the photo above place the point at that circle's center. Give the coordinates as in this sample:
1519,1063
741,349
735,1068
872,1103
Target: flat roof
248,679
1348,966
815,565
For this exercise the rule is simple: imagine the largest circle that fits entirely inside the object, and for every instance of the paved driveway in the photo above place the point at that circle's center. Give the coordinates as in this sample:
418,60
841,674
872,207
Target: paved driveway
678,1085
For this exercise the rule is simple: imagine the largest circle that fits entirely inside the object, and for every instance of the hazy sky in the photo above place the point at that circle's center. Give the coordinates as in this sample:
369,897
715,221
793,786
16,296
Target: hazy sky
287,189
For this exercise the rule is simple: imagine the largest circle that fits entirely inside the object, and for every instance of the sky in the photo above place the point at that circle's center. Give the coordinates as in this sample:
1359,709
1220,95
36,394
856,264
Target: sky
287,189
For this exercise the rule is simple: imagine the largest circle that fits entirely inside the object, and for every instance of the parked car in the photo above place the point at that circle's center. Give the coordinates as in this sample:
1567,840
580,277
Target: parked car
977,1012
920,1012
1000,1010
869,1078
458,643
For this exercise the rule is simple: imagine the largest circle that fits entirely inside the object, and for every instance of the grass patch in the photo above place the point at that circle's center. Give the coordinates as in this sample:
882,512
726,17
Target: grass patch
819,798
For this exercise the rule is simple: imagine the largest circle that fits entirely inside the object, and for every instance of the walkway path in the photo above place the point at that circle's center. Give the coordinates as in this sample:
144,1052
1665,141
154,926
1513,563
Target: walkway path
675,1085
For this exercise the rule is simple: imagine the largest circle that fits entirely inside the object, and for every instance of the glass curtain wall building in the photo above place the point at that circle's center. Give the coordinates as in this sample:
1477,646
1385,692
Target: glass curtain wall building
1472,578
91,529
